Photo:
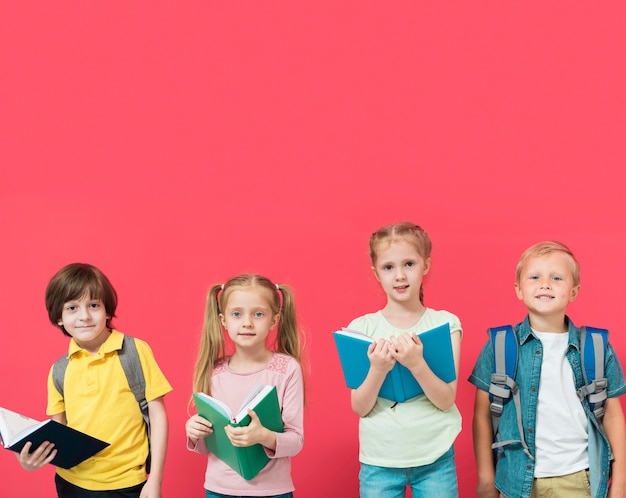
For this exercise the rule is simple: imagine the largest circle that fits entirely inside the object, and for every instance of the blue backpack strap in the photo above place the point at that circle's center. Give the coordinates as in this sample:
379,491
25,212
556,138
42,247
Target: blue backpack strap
503,387
593,346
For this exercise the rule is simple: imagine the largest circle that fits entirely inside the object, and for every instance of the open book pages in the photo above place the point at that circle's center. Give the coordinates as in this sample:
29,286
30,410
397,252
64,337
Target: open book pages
257,393
14,426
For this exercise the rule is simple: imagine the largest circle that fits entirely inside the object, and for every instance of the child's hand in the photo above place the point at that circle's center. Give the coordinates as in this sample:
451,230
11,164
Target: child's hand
380,356
408,350
253,433
487,490
151,489
38,458
198,428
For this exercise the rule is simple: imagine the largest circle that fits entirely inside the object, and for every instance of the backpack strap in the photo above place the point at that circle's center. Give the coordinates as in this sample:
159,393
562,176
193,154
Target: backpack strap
58,373
503,387
129,357
593,345
134,374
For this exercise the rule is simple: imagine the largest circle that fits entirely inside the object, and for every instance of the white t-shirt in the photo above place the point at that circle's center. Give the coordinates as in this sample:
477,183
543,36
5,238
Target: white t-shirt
561,429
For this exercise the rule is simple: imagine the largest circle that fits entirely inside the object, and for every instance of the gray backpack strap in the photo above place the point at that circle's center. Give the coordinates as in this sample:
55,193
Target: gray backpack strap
58,373
134,375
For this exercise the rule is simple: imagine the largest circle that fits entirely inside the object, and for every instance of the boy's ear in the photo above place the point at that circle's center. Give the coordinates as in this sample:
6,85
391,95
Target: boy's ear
574,293
518,291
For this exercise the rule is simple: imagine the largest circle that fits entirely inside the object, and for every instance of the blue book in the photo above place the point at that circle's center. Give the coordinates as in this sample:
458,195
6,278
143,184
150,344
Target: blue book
399,385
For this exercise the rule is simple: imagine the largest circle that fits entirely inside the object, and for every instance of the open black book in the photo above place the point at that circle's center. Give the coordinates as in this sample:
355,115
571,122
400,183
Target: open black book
72,446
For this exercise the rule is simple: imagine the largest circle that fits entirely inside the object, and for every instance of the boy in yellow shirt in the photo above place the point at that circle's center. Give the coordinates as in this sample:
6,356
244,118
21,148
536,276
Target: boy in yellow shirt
97,400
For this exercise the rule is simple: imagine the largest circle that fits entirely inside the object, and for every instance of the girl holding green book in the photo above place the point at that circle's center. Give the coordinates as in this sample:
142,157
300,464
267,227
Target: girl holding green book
247,309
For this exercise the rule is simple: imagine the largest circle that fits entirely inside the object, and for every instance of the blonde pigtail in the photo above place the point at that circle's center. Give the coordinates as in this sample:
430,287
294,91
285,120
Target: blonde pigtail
288,336
212,344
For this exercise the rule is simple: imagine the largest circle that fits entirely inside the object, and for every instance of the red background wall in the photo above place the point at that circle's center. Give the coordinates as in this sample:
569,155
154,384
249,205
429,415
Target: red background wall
174,144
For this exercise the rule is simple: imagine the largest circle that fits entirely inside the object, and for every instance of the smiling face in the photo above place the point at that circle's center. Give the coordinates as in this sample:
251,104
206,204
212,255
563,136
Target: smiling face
248,317
546,285
85,319
399,268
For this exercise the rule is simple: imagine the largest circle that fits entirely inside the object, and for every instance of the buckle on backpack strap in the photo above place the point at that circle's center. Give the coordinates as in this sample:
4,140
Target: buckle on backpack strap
602,383
499,378
599,412
496,408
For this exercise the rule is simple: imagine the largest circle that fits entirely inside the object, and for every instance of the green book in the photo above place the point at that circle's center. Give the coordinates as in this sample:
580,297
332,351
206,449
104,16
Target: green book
247,461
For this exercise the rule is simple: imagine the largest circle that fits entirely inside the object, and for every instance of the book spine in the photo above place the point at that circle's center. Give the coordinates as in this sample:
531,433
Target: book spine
398,386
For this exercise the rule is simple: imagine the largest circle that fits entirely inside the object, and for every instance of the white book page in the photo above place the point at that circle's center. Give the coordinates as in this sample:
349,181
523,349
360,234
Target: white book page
254,396
217,404
355,333
14,426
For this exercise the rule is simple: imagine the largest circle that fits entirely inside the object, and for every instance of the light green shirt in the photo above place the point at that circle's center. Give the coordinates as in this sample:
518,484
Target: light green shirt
415,432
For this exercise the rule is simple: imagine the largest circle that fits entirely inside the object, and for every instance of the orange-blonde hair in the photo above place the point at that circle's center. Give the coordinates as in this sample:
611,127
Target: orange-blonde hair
407,231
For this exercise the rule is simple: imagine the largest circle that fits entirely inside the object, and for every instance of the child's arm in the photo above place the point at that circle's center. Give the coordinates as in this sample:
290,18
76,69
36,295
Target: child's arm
615,429
41,456
483,438
381,362
408,350
158,447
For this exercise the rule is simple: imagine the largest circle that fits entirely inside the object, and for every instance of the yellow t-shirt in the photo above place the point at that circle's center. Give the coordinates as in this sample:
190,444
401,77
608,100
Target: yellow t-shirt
99,402
413,433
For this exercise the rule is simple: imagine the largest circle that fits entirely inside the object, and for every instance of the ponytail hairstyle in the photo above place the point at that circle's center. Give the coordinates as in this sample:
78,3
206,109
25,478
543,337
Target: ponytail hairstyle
406,231
212,344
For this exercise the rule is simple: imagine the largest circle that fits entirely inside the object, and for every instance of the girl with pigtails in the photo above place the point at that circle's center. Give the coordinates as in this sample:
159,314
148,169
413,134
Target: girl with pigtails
247,308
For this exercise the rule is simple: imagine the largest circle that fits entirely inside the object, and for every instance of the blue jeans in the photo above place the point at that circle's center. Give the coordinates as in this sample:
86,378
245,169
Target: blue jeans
435,480
211,494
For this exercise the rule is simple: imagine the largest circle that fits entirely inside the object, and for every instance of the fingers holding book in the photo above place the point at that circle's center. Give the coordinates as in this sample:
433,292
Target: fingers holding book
198,428
40,457
408,350
253,433
381,356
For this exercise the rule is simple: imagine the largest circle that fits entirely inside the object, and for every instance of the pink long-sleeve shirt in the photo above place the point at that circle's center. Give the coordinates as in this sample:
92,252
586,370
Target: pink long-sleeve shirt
232,388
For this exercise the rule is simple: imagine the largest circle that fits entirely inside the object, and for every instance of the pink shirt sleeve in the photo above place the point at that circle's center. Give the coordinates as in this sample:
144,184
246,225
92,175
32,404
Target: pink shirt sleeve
289,442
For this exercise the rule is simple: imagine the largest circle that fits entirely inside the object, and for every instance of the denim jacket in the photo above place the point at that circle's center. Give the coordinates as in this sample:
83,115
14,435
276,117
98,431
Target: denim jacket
515,470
